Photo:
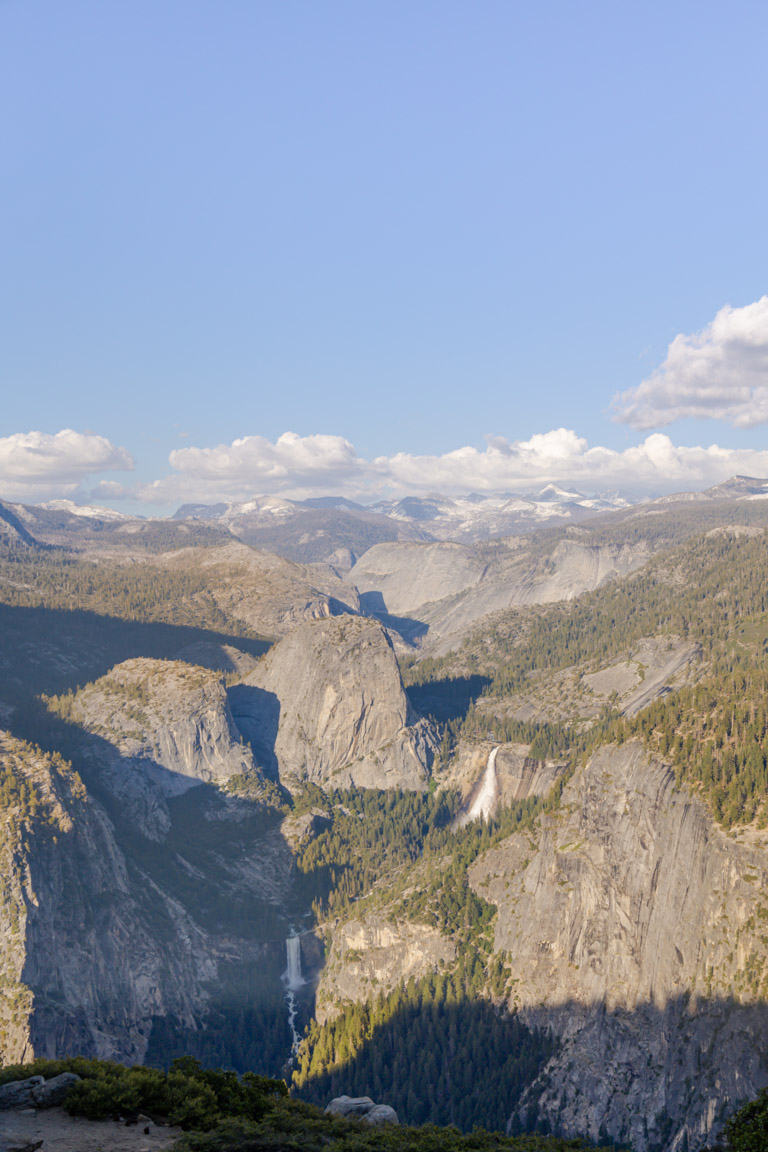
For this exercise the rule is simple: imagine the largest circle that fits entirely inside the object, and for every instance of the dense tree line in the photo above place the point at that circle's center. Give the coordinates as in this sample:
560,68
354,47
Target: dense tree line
137,591
369,833
712,590
245,1027
430,1049
715,735
702,591
373,835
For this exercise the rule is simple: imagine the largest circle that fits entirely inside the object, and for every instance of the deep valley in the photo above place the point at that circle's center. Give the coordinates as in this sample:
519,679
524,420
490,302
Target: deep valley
470,818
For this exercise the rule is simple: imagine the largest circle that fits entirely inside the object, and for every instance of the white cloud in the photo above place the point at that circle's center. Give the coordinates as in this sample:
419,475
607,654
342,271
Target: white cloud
37,466
560,456
253,465
297,467
720,373
291,456
110,490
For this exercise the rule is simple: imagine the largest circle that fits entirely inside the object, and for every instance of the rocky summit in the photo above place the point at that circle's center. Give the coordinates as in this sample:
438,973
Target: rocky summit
327,705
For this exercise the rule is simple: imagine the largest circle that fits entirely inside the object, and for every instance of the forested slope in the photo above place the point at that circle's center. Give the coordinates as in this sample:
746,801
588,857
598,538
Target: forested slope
482,1013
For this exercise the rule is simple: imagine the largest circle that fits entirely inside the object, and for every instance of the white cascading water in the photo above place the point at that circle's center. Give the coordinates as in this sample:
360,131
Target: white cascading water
293,980
486,796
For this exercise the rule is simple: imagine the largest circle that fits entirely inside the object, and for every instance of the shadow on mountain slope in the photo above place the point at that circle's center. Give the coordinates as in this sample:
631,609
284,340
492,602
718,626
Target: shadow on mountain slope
49,650
409,628
256,713
655,1078
178,938
434,1059
446,699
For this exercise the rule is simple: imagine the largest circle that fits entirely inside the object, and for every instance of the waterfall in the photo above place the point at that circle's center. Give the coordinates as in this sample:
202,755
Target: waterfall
486,796
292,976
293,980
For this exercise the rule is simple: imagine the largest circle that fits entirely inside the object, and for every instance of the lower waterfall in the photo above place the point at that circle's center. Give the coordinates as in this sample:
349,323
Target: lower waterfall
293,980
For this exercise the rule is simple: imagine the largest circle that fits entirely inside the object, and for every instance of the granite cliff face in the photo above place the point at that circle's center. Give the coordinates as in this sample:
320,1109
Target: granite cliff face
133,895
515,775
633,927
327,705
630,926
161,726
373,955
449,586
89,953
127,899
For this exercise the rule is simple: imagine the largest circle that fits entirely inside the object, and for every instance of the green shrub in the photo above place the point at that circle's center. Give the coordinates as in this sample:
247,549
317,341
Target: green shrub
81,1065
187,1095
747,1130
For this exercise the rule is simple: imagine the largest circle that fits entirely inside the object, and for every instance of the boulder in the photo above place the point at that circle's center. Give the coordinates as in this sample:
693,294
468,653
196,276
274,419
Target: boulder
18,1093
381,1114
350,1106
54,1091
362,1108
36,1092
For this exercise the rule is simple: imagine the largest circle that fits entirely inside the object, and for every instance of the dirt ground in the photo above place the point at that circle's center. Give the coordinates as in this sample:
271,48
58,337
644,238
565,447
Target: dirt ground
62,1133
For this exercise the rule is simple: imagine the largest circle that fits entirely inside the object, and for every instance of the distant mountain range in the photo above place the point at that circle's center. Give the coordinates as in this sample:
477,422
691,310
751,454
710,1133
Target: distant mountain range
337,531
214,760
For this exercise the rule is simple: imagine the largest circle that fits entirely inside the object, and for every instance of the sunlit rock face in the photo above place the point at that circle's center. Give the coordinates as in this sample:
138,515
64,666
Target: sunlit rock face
633,927
449,586
158,728
372,955
327,705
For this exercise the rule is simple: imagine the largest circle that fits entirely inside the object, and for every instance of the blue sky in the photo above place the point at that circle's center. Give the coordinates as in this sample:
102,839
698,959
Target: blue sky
391,230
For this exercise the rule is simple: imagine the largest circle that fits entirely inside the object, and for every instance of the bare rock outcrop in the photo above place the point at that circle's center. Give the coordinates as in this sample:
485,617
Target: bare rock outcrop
170,712
632,927
373,955
450,586
327,705
161,726
516,775
362,1108
521,776
37,1092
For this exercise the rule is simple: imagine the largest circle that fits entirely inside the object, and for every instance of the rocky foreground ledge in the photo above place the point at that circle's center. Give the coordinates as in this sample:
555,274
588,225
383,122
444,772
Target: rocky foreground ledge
32,1119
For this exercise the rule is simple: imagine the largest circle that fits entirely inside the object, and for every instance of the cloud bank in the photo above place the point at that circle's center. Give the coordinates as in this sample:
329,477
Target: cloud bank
297,467
720,373
37,466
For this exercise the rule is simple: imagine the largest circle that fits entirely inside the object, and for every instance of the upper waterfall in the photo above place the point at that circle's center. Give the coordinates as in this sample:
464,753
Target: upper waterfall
486,796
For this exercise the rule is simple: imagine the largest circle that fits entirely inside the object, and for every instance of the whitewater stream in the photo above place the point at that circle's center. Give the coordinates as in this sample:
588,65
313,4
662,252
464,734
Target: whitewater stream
293,980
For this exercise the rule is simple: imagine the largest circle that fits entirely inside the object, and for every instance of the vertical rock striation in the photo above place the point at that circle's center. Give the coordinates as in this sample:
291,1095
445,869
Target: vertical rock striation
327,705
632,927
89,955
